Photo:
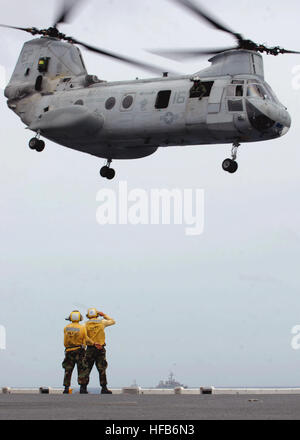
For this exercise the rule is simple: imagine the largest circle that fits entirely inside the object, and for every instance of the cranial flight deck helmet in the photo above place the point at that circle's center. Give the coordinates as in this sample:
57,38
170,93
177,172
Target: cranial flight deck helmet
92,313
75,316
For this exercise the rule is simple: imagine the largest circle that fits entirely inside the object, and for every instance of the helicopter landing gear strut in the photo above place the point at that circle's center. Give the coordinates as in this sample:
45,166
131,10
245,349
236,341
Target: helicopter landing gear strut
108,172
37,144
230,165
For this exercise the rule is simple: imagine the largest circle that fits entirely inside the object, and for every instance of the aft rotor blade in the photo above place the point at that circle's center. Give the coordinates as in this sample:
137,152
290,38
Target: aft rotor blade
64,14
112,55
199,12
178,55
289,51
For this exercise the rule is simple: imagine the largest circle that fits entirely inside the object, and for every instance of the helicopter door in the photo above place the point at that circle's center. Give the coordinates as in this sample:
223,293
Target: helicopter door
235,104
218,119
215,98
198,102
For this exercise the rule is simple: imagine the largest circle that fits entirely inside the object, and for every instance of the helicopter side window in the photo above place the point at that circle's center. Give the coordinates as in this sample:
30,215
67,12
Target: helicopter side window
127,102
234,90
110,103
239,91
201,89
163,99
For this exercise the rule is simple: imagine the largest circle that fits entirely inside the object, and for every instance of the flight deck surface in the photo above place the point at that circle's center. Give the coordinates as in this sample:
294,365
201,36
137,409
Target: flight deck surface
151,407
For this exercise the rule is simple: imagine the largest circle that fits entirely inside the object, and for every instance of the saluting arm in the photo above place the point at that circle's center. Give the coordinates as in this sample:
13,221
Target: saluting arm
107,321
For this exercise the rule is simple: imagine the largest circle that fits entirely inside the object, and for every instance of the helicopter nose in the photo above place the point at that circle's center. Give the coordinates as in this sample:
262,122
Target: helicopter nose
285,130
268,118
286,121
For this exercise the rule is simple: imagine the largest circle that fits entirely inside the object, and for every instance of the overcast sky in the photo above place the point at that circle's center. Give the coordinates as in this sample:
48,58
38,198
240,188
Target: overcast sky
216,309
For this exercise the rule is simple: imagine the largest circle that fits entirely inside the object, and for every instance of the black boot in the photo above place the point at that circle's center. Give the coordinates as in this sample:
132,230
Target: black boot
83,389
105,390
66,390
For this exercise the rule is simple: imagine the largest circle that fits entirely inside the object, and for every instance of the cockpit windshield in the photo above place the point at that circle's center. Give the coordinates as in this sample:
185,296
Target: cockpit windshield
271,92
257,91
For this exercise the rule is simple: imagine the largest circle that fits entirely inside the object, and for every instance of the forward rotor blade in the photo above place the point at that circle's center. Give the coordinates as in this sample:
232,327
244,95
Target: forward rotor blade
202,14
32,31
17,28
68,7
112,55
179,55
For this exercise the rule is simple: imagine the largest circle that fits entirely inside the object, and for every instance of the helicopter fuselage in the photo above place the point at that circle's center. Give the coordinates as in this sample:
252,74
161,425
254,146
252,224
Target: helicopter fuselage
229,102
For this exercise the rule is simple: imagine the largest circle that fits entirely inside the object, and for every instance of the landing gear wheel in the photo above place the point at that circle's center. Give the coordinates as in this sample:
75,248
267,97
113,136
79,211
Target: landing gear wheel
36,144
40,146
103,172
229,165
33,143
107,172
110,174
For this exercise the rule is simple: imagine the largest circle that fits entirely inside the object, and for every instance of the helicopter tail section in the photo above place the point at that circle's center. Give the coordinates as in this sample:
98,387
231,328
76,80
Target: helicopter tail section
42,65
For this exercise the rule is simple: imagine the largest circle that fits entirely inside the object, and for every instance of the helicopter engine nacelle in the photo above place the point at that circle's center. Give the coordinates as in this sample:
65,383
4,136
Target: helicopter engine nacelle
235,62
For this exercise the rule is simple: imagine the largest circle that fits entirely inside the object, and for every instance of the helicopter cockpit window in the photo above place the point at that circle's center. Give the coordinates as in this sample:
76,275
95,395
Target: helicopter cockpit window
163,99
235,90
239,91
256,91
271,93
201,89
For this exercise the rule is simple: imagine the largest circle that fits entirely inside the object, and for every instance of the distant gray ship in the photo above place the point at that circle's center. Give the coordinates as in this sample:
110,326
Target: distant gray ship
170,383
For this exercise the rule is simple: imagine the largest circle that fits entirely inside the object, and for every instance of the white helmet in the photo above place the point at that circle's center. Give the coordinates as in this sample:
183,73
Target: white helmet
92,313
75,316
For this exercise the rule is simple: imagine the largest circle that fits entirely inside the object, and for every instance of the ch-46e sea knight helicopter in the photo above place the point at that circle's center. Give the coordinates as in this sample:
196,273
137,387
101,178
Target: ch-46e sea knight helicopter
228,102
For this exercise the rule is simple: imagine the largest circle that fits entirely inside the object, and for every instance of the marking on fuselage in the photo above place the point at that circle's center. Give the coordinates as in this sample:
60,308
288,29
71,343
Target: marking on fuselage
169,118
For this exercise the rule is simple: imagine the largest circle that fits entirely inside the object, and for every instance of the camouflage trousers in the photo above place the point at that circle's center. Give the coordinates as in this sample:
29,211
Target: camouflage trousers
97,357
72,358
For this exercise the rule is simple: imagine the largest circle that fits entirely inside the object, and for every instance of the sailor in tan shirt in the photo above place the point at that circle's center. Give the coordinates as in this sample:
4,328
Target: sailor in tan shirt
75,341
96,354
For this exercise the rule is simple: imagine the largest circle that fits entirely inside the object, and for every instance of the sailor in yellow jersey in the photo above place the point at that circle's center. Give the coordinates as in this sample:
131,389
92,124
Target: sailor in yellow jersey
75,341
96,353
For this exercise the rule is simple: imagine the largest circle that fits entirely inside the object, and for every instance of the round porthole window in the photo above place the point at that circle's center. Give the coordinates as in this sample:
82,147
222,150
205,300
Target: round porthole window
110,103
127,101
